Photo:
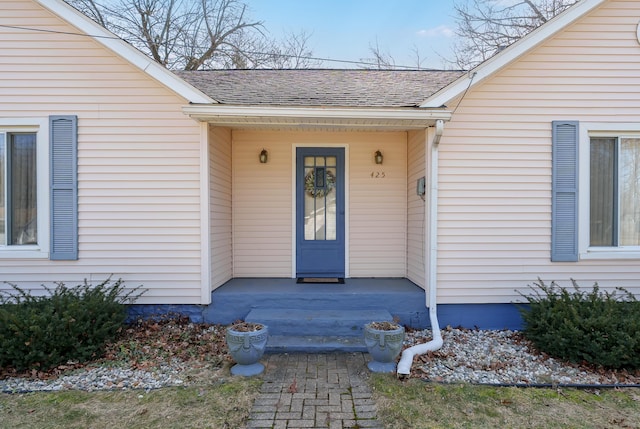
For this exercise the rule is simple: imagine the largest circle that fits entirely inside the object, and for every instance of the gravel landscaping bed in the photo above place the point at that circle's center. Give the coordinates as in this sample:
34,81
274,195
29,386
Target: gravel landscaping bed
152,355
503,357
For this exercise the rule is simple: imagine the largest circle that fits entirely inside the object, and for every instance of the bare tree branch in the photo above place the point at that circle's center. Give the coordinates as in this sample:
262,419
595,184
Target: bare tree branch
192,35
291,53
90,9
418,58
380,60
487,26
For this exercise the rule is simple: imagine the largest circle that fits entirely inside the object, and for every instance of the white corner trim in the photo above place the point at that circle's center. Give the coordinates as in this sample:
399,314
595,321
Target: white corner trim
205,218
124,50
511,53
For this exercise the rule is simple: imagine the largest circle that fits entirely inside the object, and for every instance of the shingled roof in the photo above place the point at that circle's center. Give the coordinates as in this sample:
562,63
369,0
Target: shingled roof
320,87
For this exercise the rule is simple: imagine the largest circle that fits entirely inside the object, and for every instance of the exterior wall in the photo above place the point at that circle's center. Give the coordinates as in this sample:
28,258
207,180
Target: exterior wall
263,202
220,205
416,209
261,205
378,206
138,172
495,160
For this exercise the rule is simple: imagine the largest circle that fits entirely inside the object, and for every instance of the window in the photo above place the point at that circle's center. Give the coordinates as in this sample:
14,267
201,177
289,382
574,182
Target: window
39,188
614,215
18,189
595,198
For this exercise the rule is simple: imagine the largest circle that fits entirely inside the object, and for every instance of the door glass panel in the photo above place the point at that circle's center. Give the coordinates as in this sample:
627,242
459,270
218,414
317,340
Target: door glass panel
320,177
331,206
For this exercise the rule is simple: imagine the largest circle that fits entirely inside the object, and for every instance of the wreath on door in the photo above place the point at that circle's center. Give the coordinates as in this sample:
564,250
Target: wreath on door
310,184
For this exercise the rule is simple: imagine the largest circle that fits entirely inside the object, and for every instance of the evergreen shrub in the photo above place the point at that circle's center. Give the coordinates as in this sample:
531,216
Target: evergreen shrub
598,327
66,324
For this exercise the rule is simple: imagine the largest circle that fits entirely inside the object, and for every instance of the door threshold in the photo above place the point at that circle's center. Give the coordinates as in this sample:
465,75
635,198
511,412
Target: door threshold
316,280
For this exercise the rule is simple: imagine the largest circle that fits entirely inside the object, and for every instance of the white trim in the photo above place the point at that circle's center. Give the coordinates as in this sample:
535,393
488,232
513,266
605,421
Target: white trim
294,243
594,253
374,118
608,129
294,256
205,218
511,53
586,131
431,220
126,51
41,127
347,200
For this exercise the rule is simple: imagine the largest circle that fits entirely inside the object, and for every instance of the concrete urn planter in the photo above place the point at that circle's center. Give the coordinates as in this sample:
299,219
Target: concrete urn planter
384,343
246,343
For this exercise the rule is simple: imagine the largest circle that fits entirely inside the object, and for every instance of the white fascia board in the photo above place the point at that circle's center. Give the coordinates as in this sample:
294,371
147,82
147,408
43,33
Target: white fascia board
285,115
511,53
124,50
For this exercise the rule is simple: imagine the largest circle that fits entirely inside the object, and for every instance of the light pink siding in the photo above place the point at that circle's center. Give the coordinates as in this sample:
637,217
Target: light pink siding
263,201
378,205
138,172
495,159
416,245
262,208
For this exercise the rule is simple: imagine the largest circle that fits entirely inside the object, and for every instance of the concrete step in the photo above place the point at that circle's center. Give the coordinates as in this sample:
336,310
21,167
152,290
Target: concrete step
322,323
314,344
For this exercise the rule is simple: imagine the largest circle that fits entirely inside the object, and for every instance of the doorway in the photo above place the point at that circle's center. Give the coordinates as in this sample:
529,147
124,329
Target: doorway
320,213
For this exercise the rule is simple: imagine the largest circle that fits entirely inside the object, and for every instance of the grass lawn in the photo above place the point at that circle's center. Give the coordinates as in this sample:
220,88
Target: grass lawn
401,404
416,404
220,405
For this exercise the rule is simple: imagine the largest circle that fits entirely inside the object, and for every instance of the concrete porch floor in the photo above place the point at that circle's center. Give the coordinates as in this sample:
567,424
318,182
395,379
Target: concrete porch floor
400,297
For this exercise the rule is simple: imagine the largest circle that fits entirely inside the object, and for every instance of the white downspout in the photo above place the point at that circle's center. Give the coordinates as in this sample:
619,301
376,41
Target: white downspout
431,268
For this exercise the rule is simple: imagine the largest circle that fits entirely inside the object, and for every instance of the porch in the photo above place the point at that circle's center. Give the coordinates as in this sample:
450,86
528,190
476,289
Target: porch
317,317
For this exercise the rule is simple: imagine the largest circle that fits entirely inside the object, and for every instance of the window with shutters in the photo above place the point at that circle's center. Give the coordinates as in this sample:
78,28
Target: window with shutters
595,191
18,189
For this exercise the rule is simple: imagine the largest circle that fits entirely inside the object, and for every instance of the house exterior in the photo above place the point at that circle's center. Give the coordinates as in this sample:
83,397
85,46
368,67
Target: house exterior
523,168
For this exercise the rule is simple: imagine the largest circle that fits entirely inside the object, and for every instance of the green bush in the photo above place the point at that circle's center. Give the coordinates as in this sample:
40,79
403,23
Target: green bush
598,327
68,324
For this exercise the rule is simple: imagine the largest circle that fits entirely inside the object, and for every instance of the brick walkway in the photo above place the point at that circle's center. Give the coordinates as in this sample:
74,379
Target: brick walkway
314,391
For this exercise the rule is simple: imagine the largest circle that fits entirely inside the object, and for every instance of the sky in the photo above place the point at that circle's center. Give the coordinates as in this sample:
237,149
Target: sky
345,29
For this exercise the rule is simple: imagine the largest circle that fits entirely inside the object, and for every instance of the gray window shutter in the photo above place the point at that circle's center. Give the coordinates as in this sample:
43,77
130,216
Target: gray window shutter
564,201
63,142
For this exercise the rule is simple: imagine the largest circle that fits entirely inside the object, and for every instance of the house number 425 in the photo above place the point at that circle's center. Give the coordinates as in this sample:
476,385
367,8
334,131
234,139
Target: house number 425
378,175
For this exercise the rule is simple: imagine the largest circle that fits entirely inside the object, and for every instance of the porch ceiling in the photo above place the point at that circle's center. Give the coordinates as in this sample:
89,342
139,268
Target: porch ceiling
388,119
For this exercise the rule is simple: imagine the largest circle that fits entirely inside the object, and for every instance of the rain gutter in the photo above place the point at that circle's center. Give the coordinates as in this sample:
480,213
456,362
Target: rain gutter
431,265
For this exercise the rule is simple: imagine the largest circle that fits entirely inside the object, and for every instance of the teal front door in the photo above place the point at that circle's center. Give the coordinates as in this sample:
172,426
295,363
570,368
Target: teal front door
320,234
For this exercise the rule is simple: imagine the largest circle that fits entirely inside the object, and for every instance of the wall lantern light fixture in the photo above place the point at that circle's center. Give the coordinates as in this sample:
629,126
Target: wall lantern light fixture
378,157
264,155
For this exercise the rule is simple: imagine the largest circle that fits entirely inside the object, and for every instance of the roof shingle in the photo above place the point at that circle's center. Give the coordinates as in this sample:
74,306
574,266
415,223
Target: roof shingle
320,87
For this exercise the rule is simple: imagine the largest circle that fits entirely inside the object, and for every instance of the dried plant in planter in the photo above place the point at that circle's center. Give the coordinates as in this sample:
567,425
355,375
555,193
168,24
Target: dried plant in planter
384,326
246,327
